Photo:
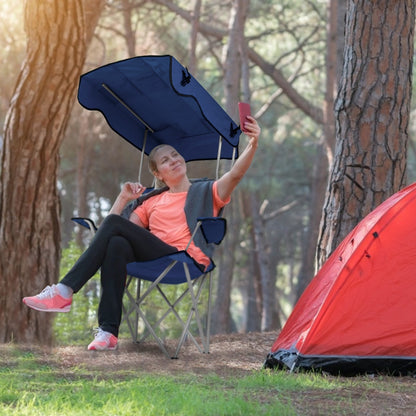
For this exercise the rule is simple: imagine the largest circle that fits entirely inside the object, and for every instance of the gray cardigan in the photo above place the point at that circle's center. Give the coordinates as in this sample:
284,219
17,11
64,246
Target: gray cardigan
199,203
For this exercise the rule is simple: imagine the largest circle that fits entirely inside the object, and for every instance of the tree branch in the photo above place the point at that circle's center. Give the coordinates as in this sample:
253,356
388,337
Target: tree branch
314,112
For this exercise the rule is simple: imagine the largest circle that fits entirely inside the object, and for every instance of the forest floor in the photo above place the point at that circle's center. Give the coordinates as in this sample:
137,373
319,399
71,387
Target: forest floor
239,355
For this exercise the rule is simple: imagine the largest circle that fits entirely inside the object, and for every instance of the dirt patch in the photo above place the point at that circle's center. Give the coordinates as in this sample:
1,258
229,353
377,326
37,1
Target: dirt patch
234,354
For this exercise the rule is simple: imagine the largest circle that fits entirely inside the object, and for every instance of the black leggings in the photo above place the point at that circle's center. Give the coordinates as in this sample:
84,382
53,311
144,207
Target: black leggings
117,242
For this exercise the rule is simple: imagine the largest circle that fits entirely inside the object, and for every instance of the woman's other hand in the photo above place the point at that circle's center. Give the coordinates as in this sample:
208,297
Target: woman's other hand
132,190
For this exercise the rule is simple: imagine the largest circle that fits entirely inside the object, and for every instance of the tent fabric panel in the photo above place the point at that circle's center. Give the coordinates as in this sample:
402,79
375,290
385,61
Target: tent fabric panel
372,310
326,316
312,299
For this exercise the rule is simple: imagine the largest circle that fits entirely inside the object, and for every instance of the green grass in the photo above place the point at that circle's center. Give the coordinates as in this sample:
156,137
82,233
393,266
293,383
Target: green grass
31,384
30,388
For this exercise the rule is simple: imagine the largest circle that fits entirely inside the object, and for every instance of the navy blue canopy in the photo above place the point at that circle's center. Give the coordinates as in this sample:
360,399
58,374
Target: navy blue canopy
150,100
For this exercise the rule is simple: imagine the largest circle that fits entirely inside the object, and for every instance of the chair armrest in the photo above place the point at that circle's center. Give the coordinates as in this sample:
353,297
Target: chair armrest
85,222
213,229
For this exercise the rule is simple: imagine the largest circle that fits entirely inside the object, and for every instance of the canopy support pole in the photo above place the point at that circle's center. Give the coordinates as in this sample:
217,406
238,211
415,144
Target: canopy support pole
131,111
142,155
218,158
108,89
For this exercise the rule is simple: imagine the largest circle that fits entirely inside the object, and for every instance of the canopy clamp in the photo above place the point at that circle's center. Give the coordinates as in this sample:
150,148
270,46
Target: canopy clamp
186,77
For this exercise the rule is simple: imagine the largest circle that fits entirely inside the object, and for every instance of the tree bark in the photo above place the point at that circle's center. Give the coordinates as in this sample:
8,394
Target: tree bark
232,70
372,116
58,34
325,149
222,322
130,33
254,306
232,57
194,36
262,253
82,175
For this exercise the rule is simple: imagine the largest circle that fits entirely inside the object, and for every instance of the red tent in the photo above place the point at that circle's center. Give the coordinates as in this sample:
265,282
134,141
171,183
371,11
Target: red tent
358,314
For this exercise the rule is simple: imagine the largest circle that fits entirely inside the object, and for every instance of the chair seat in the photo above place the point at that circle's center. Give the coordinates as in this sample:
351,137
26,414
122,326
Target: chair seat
150,270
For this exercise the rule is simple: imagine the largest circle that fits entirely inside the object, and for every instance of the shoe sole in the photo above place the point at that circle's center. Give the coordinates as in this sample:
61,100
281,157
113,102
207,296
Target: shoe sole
103,349
38,308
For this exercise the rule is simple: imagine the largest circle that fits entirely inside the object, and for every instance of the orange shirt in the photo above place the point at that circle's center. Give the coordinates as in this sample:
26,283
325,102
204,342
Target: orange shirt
164,216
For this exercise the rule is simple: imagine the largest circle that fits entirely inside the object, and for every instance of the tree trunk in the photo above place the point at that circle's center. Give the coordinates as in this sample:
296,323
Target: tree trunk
319,182
254,304
262,254
130,33
325,149
58,33
83,166
372,116
194,36
222,322
232,57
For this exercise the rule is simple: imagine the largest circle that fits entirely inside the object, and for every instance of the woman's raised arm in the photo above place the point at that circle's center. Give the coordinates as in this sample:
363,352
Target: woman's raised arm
227,183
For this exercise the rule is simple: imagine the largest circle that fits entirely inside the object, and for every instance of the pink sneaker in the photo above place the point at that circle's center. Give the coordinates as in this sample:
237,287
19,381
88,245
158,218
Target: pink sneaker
103,341
49,300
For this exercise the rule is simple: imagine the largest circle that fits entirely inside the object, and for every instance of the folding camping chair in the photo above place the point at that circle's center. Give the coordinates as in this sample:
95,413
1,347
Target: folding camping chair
176,269
151,100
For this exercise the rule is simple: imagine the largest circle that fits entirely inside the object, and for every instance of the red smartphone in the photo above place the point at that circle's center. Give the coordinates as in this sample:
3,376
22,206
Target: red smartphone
244,111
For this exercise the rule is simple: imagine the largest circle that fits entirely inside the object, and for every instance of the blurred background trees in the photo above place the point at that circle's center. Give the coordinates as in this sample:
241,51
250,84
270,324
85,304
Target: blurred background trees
283,56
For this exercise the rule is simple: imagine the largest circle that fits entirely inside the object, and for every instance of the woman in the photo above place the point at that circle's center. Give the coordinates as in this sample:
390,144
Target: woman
158,227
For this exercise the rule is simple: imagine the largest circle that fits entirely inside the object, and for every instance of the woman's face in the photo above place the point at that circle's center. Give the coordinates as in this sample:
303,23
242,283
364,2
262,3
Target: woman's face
170,165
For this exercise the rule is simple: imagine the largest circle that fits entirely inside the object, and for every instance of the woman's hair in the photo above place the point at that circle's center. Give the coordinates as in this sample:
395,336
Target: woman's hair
153,166
152,162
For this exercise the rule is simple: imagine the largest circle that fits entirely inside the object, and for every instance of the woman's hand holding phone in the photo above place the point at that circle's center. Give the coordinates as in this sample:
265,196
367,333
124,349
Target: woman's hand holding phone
244,111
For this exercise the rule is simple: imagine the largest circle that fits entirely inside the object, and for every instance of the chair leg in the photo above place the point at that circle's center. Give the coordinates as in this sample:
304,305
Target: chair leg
126,314
172,309
155,336
185,332
136,327
193,312
209,310
136,307
194,289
